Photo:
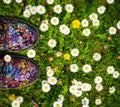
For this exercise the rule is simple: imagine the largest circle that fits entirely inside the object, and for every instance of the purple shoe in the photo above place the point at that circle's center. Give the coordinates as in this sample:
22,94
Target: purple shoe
17,72
16,34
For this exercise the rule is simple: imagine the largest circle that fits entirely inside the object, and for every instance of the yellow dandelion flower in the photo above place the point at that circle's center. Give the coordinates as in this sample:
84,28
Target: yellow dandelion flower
76,24
12,97
66,56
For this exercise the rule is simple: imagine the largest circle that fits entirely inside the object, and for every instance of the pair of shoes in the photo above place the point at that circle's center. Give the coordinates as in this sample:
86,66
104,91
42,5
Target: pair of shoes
17,71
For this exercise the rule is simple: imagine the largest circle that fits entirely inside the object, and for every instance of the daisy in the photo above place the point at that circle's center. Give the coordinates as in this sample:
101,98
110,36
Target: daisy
52,80
110,1
97,56
64,29
74,68
33,10
46,87
85,105
69,8
112,90
31,53
98,79
85,23
15,103
78,93
50,73
112,30
43,27
101,9
85,101
61,98
19,99
52,43
78,84
50,1
57,104
54,21
87,68
41,9
7,58
96,22
45,21
74,82
99,87
44,82
28,7
26,13
98,101
118,24
72,89
7,1
75,52
48,68
86,87
58,54
116,74
93,16
58,9
18,1
110,69
86,32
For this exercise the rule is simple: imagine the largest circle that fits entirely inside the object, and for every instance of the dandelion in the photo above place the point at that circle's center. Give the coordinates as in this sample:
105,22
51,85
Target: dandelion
54,21
26,13
12,97
69,8
52,43
93,16
85,23
97,56
31,53
46,87
64,29
87,68
66,56
41,9
110,1
110,69
58,9
112,30
98,101
7,58
86,32
85,101
15,103
7,1
76,24
74,68
44,27
118,24
101,9
52,80
78,93
18,1
116,74
33,10
98,79
96,22
50,1
57,104
75,52
99,87
112,90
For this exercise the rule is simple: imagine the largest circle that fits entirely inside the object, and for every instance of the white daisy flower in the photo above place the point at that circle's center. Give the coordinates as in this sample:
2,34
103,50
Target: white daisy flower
18,1
110,69
45,21
50,1
33,10
93,16
101,9
43,27
85,101
87,68
86,32
97,56
52,43
52,80
78,84
26,13
46,88
19,99
78,93
72,89
112,90
57,104
85,105
44,82
85,23
110,1
28,7
31,53
99,87
74,81
7,1
118,25
58,9
41,9
96,22
7,58
54,21
116,74
98,101
75,52
48,68
50,73
69,8
15,103
64,29
74,68
98,79
112,30
85,87
61,98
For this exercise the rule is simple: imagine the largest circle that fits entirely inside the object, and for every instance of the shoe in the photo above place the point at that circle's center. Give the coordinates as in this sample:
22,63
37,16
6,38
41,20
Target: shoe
16,34
17,71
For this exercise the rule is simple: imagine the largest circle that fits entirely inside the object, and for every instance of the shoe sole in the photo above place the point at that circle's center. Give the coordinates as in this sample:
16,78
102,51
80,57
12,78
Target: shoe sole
17,35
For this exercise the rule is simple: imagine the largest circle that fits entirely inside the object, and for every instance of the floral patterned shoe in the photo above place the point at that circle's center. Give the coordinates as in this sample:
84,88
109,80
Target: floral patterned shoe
16,34
17,72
